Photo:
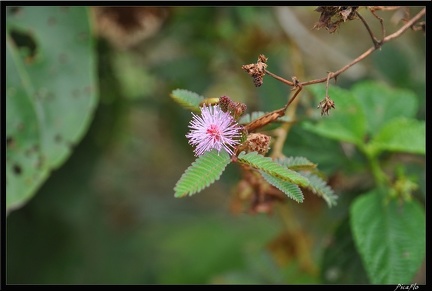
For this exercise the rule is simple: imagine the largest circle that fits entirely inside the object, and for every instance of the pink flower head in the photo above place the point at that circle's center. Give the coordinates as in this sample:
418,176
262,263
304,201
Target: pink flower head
214,129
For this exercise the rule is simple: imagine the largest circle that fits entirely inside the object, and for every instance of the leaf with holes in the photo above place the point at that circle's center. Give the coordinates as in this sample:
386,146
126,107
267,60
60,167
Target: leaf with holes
50,93
203,172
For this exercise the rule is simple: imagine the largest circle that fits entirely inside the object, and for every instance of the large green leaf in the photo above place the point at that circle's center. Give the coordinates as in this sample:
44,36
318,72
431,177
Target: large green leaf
347,122
390,237
202,173
381,103
401,135
50,93
272,168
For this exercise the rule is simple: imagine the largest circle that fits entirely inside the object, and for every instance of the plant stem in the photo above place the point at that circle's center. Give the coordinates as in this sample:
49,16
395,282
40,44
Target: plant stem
379,175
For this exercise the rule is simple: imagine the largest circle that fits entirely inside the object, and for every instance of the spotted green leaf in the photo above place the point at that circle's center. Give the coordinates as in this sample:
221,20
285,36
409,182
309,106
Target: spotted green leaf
51,93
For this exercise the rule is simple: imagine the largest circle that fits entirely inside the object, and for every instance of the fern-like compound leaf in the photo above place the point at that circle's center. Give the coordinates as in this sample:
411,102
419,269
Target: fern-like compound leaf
272,168
297,163
187,99
291,190
202,173
319,187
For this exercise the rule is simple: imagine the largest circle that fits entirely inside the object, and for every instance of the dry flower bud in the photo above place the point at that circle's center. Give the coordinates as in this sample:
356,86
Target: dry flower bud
257,71
224,102
326,105
258,142
332,16
236,109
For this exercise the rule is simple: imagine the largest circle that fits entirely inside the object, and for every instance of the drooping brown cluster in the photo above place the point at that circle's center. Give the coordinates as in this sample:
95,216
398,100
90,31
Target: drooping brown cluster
257,71
332,16
326,104
255,191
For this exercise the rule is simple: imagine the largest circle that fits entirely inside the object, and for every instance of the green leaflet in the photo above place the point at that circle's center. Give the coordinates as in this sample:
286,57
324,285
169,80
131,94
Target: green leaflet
390,237
203,172
297,163
316,184
291,190
187,99
272,168
319,187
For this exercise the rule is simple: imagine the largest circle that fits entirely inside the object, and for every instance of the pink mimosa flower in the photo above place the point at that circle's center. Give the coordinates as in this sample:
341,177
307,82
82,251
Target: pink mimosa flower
214,129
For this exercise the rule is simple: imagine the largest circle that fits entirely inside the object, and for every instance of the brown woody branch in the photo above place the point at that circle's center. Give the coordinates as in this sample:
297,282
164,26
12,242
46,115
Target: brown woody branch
271,116
334,75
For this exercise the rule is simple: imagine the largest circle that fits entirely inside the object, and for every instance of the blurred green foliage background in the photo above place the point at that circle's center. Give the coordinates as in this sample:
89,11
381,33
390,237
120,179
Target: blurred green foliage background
108,215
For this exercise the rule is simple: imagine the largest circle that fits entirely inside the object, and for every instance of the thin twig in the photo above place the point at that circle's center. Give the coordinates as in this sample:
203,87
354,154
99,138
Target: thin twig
271,116
280,133
279,78
327,83
383,8
383,32
388,38
376,42
405,26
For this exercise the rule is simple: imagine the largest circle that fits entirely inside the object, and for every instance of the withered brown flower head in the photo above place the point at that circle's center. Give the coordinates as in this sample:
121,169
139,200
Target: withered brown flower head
258,142
326,105
332,16
224,102
255,191
257,71
236,109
